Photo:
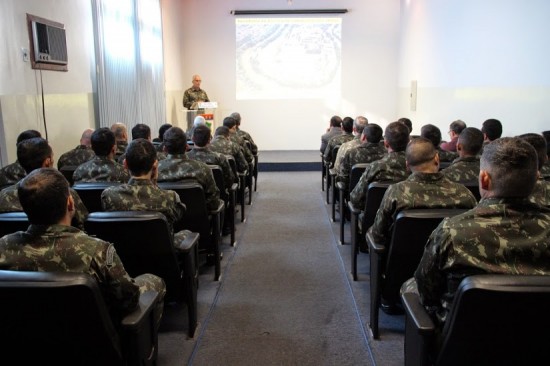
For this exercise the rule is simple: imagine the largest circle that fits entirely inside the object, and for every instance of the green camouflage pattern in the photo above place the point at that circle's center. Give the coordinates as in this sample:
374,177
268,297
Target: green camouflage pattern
75,157
225,146
101,169
392,167
364,153
160,155
9,202
541,193
179,167
545,170
11,174
500,235
463,170
120,148
191,95
246,136
59,248
335,141
206,155
419,190
249,157
344,148
332,132
446,156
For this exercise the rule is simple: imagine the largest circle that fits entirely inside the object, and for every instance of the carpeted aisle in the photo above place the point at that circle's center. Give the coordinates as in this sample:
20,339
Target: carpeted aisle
284,299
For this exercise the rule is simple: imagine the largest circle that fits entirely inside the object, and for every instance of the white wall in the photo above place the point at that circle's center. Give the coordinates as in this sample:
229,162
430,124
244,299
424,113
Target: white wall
370,33
68,95
475,60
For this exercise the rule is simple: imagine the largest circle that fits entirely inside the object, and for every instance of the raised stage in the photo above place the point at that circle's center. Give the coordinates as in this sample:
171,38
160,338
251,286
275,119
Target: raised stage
289,160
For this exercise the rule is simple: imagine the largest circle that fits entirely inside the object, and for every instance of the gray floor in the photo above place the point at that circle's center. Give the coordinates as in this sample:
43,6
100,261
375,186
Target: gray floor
289,156
286,296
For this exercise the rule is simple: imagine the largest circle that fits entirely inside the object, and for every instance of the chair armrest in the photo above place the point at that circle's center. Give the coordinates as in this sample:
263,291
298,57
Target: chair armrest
191,239
375,247
341,186
332,171
353,209
416,312
234,187
133,321
216,211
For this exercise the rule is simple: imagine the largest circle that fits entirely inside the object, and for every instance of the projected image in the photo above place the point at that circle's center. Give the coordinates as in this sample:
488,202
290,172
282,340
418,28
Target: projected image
282,58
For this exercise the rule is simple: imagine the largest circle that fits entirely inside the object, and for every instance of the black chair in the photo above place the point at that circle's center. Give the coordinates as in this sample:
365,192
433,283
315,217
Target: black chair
144,243
241,190
323,172
375,193
473,186
250,176
228,196
11,222
61,319
90,193
68,171
444,164
343,193
393,265
494,320
197,219
255,173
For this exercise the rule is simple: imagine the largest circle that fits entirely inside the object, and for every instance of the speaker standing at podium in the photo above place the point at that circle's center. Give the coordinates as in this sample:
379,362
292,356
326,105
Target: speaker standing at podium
194,94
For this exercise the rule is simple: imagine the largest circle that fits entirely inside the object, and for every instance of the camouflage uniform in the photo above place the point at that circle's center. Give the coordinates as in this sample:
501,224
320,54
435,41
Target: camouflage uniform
76,156
446,156
143,195
11,174
500,235
233,136
206,155
345,147
541,193
333,131
60,248
335,141
9,202
101,169
225,146
179,167
364,153
246,136
545,170
463,170
419,190
392,167
120,149
192,95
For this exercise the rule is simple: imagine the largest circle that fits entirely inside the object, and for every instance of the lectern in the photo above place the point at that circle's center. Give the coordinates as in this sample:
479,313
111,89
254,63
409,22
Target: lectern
205,109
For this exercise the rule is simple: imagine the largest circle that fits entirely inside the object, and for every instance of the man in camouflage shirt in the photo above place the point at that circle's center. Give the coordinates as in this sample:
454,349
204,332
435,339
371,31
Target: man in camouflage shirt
50,244
222,144
121,138
359,124
392,167
541,192
36,153
231,124
334,129
14,172
194,94
504,233
80,154
369,151
177,167
103,167
243,134
141,131
141,192
433,133
466,167
345,136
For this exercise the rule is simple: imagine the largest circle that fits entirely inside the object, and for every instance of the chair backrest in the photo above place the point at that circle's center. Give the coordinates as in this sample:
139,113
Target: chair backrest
143,242
68,171
57,319
355,174
473,186
90,193
232,164
375,193
444,164
498,320
11,222
196,217
411,231
218,178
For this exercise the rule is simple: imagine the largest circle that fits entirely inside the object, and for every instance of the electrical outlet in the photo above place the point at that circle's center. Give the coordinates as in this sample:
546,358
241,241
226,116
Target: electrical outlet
25,53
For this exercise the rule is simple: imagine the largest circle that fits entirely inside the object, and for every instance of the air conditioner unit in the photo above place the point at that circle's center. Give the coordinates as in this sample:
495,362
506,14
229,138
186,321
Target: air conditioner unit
50,45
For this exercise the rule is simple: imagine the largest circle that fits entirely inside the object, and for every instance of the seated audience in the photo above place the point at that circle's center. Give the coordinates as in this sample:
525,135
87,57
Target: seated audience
243,134
14,172
50,244
103,167
541,192
345,136
492,130
433,133
121,138
392,167
369,151
333,130
32,154
231,124
80,154
178,167
198,121
407,122
141,131
162,130
222,144
359,124
141,192
455,128
466,167
504,233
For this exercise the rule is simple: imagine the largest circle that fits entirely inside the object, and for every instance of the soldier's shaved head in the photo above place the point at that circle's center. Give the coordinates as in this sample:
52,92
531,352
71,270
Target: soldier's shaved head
420,151
397,136
43,194
373,132
103,141
471,141
539,143
201,136
31,153
140,157
175,141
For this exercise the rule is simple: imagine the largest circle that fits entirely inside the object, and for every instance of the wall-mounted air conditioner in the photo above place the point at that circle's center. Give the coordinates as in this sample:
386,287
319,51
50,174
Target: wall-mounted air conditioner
50,45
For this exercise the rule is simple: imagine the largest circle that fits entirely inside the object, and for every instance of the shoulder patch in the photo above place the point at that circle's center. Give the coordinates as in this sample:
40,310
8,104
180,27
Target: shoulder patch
110,255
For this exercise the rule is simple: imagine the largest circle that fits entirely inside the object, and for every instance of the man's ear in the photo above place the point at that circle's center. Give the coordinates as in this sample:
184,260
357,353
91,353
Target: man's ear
386,144
484,180
458,147
70,205
125,164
